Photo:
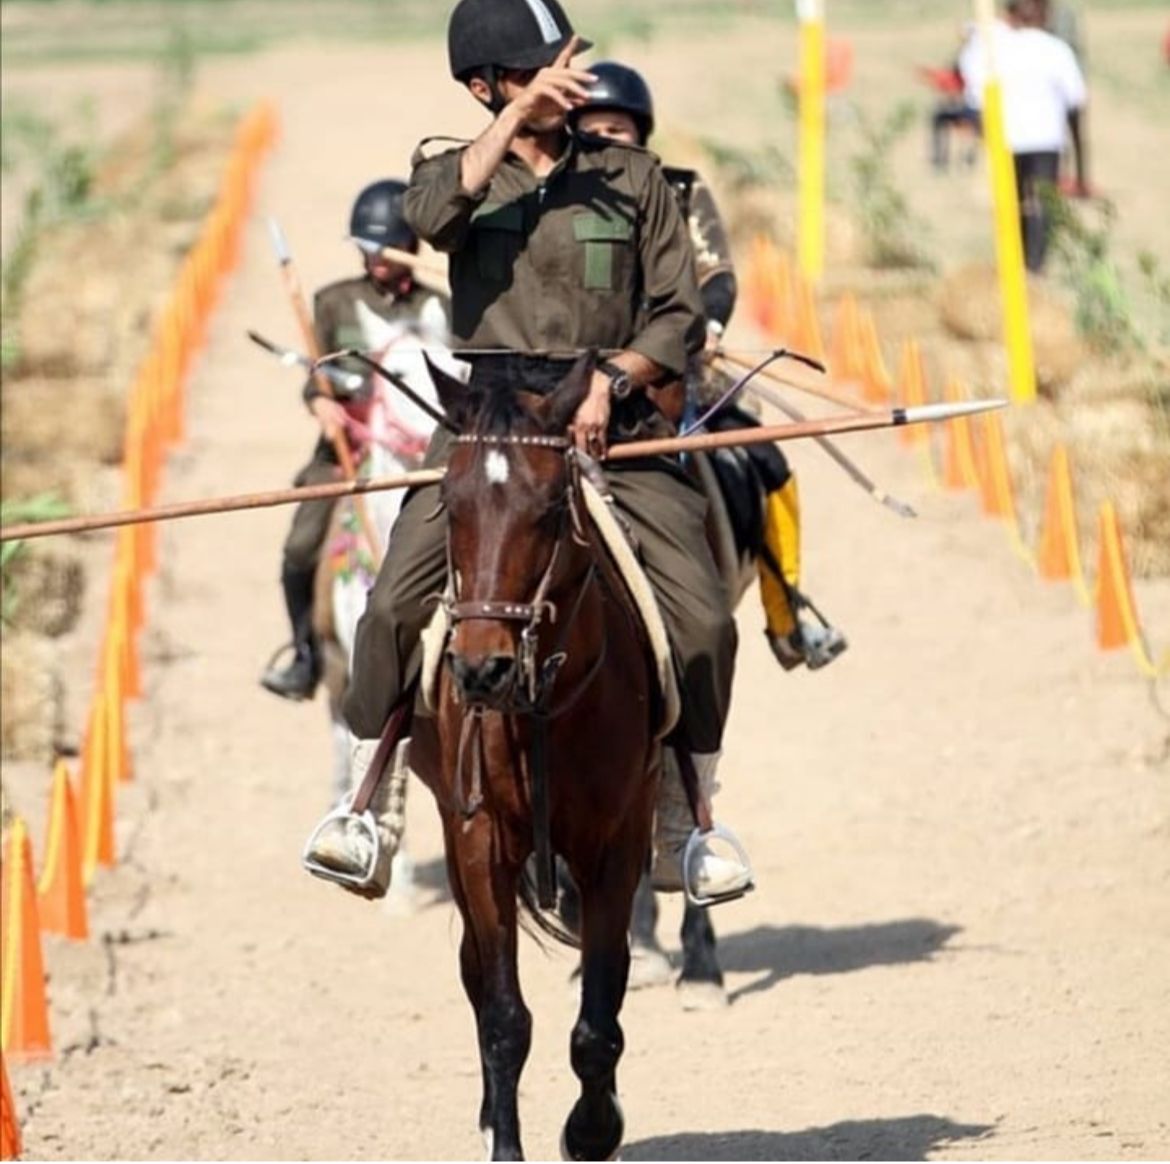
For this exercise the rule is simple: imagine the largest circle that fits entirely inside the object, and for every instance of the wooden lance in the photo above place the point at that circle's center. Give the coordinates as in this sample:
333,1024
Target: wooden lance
665,446
296,295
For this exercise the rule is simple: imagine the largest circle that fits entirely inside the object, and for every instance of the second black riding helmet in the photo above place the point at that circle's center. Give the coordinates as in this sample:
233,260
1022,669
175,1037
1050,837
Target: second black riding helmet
506,34
376,220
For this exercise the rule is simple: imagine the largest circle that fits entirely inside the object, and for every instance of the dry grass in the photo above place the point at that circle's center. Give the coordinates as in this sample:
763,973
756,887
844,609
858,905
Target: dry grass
84,321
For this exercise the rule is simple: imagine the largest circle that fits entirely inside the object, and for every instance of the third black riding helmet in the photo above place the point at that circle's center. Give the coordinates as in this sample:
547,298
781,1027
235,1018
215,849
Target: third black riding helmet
506,34
620,87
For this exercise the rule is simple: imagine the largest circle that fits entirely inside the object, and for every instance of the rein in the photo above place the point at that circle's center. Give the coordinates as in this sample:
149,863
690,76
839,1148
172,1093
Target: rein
537,678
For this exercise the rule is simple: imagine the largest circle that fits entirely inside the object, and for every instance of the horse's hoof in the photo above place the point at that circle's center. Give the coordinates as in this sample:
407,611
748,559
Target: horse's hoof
648,967
696,995
566,1154
608,1143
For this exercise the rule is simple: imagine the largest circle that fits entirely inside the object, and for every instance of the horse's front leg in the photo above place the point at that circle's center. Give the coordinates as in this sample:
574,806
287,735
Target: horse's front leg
594,1128
700,984
486,895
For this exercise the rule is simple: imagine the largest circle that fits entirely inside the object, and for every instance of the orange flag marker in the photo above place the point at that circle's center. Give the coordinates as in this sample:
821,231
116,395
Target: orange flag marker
97,794
911,389
959,470
10,1145
809,326
874,375
1059,557
1117,621
60,891
846,361
117,752
24,1010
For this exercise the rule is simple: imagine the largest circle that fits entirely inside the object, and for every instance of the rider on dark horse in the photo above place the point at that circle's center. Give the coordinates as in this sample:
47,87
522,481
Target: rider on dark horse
561,244
388,290
621,108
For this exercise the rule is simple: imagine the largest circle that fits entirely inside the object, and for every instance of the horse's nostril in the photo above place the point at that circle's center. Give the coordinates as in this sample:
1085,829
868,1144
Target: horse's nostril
482,678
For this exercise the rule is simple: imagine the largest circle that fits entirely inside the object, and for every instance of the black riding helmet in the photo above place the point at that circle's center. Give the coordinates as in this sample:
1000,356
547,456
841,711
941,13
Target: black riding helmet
619,87
376,219
506,34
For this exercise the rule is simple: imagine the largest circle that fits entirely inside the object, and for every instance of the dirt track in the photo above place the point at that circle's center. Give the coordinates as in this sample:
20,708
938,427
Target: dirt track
961,831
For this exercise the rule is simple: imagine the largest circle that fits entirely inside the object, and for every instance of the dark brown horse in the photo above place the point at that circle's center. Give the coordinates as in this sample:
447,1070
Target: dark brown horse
547,711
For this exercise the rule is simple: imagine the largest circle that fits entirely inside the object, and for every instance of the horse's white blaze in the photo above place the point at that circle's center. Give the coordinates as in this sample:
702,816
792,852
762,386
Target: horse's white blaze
495,465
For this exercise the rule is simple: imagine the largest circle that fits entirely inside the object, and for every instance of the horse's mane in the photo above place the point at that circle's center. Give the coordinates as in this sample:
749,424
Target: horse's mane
500,411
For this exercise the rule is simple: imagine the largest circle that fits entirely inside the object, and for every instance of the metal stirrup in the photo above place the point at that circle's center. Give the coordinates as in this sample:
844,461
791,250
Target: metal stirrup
696,838
364,820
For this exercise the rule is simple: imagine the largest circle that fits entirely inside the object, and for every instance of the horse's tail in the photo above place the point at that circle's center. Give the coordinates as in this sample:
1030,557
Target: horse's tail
539,921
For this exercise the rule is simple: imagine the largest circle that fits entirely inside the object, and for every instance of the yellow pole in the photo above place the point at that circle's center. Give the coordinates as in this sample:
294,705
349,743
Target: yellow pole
1009,244
811,226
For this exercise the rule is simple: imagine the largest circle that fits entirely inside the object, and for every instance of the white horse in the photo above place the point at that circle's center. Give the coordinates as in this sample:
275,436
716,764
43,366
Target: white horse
393,440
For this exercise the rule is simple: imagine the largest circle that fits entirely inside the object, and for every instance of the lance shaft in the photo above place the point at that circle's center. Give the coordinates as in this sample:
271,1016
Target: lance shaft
300,306
854,472
634,450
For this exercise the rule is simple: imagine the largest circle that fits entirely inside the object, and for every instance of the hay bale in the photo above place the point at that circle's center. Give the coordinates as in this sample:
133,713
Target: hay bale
969,306
51,421
43,590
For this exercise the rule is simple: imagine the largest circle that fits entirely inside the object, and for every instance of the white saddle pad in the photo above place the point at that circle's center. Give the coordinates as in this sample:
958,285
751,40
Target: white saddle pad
614,538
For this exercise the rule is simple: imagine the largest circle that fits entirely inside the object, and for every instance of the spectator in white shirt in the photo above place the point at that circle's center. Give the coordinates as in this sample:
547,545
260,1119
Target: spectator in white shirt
1043,93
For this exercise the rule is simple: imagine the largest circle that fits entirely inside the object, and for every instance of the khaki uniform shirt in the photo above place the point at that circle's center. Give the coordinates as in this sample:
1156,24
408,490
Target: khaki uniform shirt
336,321
338,325
566,261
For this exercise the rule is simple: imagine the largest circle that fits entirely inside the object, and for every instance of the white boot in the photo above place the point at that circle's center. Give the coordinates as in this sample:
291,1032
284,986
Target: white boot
710,875
357,850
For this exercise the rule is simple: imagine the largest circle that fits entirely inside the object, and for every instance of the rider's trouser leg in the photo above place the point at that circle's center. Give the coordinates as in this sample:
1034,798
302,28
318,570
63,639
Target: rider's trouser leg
387,654
667,515
782,542
302,551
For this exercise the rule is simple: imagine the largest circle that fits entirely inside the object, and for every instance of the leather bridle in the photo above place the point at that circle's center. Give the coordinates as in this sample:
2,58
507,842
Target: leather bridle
535,679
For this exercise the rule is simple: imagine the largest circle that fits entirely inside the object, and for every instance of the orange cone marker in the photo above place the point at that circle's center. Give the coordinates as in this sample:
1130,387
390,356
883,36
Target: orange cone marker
24,1011
60,891
1059,557
959,470
875,376
97,794
1116,613
10,1145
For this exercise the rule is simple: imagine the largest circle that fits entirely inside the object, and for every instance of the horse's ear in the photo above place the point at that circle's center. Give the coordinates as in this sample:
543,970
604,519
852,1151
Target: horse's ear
459,401
559,407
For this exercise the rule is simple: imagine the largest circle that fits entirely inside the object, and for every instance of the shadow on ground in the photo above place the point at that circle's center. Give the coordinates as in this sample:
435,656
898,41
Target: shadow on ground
904,1138
783,951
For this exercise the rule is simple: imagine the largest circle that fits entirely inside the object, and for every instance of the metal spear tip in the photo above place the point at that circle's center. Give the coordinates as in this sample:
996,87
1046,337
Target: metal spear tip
948,410
279,242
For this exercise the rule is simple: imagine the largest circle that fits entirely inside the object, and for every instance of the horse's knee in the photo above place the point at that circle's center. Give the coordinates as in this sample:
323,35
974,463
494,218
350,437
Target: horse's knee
505,1033
593,1053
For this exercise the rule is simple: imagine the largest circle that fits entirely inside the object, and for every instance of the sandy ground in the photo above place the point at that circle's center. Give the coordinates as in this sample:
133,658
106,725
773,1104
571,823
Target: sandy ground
958,948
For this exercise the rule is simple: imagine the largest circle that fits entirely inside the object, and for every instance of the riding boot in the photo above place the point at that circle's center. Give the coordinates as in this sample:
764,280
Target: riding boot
298,680
344,843
712,876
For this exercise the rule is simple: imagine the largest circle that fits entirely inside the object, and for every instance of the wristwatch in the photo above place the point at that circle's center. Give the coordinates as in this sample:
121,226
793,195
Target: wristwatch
620,384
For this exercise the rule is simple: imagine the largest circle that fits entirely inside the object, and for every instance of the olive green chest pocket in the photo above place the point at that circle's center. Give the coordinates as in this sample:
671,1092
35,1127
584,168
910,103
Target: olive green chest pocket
606,241
498,230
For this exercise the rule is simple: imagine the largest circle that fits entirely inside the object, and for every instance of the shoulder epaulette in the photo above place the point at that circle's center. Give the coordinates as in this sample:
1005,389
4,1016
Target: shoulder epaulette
423,151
